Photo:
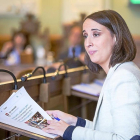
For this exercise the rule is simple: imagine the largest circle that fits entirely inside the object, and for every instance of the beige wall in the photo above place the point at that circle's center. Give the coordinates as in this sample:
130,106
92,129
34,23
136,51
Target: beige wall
7,24
131,14
51,16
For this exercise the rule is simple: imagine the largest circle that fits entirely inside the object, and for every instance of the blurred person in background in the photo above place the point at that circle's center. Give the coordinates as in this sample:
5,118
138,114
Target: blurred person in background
73,51
11,50
74,43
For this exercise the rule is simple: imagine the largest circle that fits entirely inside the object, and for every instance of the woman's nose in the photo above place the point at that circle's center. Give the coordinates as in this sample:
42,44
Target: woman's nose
88,42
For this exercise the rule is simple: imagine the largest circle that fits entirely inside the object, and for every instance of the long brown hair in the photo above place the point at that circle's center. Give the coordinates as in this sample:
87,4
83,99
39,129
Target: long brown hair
124,49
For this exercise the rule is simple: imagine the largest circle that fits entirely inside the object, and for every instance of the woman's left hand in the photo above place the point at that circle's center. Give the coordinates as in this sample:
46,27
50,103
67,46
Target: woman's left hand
56,127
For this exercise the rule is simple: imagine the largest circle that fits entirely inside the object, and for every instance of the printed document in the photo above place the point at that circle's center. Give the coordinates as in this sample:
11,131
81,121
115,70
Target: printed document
21,111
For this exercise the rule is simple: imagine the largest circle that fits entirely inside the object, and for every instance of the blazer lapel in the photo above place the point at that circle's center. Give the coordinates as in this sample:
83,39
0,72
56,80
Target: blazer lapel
98,105
110,73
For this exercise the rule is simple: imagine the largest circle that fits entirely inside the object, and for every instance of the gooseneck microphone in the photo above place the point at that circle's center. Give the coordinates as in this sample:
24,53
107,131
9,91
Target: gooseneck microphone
73,51
26,76
57,71
44,73
13,76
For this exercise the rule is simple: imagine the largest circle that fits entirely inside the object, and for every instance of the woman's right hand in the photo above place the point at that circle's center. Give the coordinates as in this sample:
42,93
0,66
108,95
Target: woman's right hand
8,46
70,119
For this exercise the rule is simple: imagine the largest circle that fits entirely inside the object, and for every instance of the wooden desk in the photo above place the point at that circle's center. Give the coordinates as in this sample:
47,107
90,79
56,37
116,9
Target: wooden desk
86,99
84,95
57,100
26,133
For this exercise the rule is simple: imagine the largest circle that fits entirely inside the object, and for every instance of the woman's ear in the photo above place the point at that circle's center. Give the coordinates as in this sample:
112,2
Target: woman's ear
114,39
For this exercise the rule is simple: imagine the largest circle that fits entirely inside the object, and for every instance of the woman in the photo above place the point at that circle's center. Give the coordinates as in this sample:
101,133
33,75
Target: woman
109,46
11,50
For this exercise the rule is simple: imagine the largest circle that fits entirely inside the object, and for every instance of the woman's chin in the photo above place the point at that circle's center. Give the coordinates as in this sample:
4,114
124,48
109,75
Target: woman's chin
94,61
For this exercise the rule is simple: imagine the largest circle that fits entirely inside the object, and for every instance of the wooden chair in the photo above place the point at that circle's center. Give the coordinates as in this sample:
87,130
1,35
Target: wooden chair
26,58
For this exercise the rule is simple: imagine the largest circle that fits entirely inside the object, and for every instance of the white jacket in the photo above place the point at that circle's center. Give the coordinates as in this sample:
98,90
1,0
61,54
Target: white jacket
117,115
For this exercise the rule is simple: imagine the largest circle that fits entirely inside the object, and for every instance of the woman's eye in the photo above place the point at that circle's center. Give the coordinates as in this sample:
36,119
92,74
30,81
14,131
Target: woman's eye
95,35
84,36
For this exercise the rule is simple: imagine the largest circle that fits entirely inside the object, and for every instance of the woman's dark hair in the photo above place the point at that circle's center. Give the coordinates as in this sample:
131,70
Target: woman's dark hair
124,49
21,33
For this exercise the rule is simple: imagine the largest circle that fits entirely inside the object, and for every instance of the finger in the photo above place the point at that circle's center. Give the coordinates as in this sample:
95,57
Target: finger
49,127
54,121
50,121
52,112
53,126
51,131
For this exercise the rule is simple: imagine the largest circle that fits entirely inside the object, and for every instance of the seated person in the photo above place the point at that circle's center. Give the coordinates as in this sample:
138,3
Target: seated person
12,49
6,49
73,49
74,43
73,54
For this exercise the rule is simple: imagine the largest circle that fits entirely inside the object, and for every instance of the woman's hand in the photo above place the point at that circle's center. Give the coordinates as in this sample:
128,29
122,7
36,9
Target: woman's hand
8,46
56,127
69,119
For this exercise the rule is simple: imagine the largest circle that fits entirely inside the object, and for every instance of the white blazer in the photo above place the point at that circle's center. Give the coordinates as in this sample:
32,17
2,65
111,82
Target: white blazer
117,115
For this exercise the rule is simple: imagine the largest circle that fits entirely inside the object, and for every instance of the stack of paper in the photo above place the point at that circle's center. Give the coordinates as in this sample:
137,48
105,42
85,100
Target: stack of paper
92,88
21,111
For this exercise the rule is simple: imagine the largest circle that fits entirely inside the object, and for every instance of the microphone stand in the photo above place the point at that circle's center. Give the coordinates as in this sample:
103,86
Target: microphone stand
13,76
57,71
44,73
75,59
73,51
24,78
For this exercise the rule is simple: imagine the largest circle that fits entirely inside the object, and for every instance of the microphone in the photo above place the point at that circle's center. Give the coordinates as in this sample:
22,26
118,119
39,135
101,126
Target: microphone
73,51
13,76
26,76
57,71
66,81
